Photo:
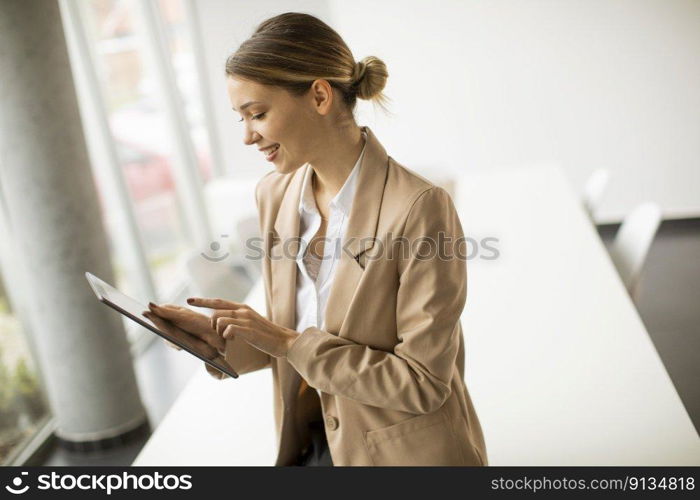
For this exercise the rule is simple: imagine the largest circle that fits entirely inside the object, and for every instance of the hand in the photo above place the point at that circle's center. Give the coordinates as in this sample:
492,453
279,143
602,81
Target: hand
190,340
194,324
233,319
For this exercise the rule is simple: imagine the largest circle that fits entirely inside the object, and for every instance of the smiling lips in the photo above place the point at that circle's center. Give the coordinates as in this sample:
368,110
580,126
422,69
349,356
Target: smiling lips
269,151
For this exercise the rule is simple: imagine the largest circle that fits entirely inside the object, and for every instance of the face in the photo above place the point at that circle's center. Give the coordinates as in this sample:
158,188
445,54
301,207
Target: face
287,129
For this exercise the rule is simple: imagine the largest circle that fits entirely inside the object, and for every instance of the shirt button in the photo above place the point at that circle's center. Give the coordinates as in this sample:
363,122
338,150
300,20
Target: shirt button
331,422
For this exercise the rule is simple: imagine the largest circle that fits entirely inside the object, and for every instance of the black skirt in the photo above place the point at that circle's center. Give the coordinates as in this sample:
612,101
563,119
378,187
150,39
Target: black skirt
317,454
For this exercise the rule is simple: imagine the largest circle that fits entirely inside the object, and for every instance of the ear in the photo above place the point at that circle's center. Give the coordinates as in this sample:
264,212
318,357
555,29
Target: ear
322,95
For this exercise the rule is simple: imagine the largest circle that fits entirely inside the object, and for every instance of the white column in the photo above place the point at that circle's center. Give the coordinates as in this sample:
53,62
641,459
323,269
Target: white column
57,229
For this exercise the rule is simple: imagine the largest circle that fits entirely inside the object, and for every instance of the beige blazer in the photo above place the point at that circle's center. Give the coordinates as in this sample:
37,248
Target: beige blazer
390,364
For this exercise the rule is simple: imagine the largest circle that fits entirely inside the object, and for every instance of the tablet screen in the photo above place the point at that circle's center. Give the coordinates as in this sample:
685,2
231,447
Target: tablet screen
133,309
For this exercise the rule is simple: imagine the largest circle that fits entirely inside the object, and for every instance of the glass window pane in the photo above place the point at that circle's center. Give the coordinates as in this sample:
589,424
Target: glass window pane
22,402
141,137
180,45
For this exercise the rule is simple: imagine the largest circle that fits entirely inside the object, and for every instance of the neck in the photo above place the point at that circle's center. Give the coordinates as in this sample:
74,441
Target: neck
340,151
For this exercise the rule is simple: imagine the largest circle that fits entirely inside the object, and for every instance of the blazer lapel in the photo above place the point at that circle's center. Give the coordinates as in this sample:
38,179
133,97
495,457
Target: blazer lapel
283,252
283,266
359,238
361,231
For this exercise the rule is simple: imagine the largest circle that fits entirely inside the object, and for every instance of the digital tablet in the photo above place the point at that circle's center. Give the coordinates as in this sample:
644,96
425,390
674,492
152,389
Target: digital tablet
133,309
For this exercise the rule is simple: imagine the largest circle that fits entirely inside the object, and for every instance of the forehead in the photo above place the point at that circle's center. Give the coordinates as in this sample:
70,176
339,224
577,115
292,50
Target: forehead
242,91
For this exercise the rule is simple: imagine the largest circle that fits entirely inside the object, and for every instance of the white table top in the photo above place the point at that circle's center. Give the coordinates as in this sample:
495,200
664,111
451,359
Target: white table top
560,368
218,422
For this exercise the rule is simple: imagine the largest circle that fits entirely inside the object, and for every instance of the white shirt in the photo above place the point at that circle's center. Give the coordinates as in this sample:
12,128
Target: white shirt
314,276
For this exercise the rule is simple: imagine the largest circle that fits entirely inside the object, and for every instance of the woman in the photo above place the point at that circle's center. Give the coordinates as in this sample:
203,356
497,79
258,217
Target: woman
363,335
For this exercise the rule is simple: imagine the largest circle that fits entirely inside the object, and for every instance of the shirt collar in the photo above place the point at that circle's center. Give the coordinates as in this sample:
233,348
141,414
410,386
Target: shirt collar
342,200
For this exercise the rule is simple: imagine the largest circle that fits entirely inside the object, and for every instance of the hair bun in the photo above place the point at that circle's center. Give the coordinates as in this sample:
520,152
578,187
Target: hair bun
359,72
369,76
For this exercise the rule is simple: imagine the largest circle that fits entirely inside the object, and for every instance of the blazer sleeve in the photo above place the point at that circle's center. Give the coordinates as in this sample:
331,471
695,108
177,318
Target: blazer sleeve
416,376
239,354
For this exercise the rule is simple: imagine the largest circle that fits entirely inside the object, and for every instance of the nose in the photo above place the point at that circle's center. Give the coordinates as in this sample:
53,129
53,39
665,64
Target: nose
250,137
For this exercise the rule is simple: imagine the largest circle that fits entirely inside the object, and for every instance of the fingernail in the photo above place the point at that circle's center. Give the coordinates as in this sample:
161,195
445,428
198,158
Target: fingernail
190,301
151,304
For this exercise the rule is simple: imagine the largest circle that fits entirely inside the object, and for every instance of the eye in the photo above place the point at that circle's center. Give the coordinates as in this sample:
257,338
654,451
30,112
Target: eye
255,117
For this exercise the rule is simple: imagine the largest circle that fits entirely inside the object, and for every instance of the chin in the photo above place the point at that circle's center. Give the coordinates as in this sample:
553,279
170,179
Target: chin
287,169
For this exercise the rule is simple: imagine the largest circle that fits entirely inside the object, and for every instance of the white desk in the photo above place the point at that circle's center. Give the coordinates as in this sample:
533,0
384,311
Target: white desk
218,422
560,367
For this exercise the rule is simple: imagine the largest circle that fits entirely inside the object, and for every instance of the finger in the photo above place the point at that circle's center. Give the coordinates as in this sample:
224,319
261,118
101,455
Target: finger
173,307
214,317
223,323
243,331
221,360
196,324
214,339
161,323
167,311
185,338
149,315
219,314
230,333
190,339
187,319
163,312
213,303
174,346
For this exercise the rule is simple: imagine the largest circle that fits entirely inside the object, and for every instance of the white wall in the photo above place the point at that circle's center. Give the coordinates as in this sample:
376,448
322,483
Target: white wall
482,84
225,25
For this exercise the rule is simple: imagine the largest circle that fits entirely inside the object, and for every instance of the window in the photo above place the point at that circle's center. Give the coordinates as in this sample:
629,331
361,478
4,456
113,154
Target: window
186,73
22,402
140,131
117,40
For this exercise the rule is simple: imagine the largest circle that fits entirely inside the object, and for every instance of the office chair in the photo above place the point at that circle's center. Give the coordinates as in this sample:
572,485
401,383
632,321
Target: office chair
632,242
593,191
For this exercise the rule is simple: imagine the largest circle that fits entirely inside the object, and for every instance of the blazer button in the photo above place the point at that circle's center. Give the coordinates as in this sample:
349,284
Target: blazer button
331,422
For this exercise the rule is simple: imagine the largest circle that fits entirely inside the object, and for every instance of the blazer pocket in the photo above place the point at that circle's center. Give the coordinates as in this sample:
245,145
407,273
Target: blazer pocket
422,440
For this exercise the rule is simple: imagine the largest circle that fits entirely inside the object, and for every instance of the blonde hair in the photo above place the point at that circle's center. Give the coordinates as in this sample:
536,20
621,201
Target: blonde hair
292,50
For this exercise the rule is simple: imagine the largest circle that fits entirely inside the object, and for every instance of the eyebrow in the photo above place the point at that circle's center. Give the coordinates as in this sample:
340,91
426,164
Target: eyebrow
249,103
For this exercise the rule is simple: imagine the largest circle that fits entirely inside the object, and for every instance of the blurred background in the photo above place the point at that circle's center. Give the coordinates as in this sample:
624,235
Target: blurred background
607,90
